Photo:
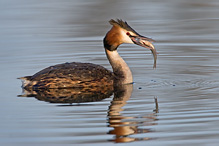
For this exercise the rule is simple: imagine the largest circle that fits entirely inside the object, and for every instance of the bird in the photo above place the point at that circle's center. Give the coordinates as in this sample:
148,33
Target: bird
87,75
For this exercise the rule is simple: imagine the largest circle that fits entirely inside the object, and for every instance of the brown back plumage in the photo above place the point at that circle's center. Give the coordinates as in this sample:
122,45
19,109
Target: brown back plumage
70,75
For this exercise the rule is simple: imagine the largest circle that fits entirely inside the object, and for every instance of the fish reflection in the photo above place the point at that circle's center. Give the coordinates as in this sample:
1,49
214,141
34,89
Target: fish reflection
125,126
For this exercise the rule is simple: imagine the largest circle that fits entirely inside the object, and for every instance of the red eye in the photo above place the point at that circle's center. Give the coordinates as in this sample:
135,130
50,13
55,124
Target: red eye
128,33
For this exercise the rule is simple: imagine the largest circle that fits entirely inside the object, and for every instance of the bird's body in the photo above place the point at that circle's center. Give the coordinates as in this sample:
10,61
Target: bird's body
68,75
75,74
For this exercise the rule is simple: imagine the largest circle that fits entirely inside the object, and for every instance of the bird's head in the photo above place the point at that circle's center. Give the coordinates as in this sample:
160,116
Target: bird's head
121,33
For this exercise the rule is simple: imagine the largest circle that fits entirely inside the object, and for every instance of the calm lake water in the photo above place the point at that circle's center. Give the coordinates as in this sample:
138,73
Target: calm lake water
35,34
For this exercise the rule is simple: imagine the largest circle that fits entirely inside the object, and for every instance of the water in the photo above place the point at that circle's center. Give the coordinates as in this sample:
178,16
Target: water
37,34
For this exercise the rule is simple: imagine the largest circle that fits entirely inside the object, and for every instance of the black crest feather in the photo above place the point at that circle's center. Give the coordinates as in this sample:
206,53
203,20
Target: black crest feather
122,24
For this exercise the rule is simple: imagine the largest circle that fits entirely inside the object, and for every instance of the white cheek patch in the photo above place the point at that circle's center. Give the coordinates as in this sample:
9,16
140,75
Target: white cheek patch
126,38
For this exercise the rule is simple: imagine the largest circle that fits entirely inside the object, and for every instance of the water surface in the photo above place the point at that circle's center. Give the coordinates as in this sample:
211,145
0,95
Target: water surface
37,34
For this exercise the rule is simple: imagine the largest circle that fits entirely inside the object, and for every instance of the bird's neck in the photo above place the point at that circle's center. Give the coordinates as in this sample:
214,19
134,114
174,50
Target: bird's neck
122,72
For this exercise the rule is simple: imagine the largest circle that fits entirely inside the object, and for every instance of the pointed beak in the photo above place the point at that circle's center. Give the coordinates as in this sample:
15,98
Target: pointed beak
146,43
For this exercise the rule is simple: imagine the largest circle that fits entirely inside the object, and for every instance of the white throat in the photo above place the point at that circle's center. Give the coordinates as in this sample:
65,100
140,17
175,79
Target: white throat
120,68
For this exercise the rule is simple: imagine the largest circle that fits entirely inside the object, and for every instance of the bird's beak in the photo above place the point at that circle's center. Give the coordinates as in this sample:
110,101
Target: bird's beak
146,43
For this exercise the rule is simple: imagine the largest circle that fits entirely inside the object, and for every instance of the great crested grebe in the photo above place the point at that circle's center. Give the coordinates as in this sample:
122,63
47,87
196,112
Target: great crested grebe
77,74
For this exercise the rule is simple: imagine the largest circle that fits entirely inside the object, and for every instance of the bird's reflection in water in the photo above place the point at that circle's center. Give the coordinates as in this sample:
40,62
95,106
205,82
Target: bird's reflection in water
70,95
123,126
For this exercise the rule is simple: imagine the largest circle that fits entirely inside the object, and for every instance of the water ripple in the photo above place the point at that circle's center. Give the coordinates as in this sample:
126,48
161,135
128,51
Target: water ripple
191,83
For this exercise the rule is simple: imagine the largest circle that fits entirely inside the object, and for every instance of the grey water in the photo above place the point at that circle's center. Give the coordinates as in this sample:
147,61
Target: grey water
35,34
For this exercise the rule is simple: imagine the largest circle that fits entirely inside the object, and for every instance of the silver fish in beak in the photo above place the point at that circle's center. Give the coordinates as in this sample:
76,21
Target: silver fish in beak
146,43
